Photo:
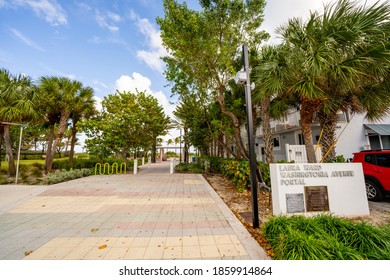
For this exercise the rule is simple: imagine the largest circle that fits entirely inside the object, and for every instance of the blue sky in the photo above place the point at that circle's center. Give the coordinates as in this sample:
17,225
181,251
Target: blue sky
106,45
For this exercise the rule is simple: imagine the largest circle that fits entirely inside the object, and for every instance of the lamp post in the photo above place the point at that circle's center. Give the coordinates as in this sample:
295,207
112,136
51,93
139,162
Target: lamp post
242,78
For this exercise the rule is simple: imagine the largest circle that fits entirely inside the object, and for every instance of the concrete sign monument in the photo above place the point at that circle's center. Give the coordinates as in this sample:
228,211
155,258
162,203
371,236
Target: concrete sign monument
319,188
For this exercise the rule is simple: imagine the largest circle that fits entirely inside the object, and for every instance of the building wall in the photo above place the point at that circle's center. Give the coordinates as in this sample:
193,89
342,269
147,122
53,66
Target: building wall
351,137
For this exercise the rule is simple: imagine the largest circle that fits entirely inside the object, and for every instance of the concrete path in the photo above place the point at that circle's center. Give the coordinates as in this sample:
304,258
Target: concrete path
151,215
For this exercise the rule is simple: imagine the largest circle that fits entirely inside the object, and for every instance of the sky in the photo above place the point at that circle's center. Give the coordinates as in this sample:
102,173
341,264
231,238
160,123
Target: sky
108,45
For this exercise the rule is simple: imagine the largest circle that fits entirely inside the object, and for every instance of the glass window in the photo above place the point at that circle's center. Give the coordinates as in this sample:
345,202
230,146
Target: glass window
276,142
385,142
383,160
369,158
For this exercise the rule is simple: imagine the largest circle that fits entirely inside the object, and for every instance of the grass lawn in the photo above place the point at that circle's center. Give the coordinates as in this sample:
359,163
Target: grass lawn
4,164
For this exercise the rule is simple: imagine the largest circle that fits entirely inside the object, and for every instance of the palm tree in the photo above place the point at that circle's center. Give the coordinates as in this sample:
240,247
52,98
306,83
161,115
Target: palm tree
17,104
177,141
58,98
272,76
338,55
84,107
170,142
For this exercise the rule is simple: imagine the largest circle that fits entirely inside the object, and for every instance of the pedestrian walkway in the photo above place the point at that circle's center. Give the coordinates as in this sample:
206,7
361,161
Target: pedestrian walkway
152,215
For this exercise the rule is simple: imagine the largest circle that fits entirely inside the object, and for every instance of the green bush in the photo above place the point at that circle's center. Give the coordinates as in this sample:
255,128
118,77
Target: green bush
170,154
62,176
193,167
326,237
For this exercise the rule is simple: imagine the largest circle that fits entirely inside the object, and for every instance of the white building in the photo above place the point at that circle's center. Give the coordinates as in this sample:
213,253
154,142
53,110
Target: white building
353,135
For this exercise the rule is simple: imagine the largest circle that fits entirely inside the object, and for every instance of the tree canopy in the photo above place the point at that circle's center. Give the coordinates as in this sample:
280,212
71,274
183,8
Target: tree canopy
128,121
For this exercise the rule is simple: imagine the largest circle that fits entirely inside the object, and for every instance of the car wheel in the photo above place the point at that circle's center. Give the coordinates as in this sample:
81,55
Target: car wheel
374,193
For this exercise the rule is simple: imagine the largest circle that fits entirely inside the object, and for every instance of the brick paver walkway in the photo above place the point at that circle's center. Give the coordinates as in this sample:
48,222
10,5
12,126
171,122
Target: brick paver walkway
151,215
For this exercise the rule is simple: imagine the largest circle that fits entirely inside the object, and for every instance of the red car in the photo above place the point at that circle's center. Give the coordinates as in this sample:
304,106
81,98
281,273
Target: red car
376,169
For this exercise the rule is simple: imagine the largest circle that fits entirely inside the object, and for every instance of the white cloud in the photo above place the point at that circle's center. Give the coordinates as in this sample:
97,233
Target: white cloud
114,17
155,50
96,82
59,73
49,10
98,103
107,20
141,83
26,40
136,81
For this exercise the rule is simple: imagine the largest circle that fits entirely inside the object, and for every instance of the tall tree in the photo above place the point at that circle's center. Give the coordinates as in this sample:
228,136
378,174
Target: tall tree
127,121
338,55
203,46
84,107
17,105
58,95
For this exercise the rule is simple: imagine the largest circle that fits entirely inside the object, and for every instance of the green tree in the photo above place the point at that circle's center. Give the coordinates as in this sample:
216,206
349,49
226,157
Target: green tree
84,107
127,121
203,46
17,105
336,56
58,96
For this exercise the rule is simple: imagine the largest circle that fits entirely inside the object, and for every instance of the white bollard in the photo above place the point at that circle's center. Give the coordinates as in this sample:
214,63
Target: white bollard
143,161
149,160
171,172
135,166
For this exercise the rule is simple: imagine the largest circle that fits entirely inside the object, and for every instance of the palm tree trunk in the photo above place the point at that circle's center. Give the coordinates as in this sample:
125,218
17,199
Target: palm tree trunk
48,150
72,143
60,131
328,124
1,141
307,114
8,150
267,134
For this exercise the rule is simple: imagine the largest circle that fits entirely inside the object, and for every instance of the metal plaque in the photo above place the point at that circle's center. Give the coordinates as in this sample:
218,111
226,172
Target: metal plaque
295,203
317,199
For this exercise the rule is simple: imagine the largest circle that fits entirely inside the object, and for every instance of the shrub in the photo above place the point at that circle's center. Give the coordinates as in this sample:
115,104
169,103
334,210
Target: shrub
62,176
193,167
325,237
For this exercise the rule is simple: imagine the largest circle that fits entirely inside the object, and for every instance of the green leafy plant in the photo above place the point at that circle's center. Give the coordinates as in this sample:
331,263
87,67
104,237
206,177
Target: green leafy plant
63,175
326,237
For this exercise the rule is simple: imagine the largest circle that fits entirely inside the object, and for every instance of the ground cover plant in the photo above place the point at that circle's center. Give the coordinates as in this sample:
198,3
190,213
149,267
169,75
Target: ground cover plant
65,175
326,237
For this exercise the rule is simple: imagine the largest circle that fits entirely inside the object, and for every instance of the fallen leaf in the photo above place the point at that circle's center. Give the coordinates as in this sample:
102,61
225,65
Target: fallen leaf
94,230
102,246
27,253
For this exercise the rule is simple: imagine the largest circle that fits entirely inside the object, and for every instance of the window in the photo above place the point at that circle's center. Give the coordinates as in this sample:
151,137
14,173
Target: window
383,160
369,159
276,142
301,140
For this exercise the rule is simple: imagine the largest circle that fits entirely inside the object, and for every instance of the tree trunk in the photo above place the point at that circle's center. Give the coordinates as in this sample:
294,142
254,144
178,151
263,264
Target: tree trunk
267,134
48,150
72,143
60,131
241,151
8,150
154,148
1,142
307,114
221,151
328,124
186,155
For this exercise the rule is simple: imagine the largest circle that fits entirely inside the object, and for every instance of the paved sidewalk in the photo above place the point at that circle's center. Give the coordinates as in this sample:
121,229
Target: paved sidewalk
151,215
